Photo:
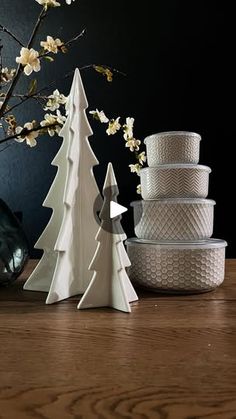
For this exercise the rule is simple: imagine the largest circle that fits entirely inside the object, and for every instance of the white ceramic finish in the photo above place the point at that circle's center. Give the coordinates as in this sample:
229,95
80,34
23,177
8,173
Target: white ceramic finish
177,267
175,181
174,219
173,147
69,238
110,285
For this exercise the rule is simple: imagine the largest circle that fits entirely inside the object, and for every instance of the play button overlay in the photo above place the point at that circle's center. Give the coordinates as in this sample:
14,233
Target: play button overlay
107,212
116,209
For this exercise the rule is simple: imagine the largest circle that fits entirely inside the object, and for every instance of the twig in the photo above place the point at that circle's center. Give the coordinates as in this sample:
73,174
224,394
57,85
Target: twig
42,15
23,96
4,148
26,131
23,100
4,29
55,82
114,70
20,67
1,47
75,38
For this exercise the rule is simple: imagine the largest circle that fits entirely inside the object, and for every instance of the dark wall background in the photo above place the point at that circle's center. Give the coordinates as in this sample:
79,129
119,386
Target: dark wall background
178,56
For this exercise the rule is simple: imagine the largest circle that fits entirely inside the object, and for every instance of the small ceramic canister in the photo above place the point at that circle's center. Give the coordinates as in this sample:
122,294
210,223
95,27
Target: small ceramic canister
175,181
174,219
173,147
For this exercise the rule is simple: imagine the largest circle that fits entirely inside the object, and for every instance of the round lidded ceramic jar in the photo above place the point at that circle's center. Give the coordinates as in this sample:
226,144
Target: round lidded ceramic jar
177,267
174,219
173,147
175,181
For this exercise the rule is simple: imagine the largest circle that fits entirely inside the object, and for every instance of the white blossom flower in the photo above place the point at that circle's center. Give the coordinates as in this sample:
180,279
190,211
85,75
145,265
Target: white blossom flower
133,144
51,44
57,121
29,60
61,119
48,3
138,190
142,158
128,128
6,74
49,119
100,116
135,168
55,100
29,137
113,126
69,1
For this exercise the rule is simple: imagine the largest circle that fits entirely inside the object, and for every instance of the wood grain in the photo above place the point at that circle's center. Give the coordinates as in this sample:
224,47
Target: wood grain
172,357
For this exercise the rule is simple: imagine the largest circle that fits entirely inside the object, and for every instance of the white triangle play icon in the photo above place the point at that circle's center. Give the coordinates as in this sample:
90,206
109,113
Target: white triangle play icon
116,209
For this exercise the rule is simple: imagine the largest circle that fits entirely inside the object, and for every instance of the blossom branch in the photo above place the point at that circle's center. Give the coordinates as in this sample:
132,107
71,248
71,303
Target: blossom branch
26,131
55,82
66,44
20,67
4,29
8,96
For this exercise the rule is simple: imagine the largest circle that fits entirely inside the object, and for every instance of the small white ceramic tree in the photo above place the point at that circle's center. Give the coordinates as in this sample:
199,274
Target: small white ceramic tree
110,285
69,239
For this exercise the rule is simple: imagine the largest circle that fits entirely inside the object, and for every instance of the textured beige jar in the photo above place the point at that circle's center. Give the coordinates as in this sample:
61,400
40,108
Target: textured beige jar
175,181
173,147
177,267
174,219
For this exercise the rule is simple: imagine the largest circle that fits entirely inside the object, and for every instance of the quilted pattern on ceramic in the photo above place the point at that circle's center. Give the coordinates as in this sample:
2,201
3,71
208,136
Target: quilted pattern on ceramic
173,221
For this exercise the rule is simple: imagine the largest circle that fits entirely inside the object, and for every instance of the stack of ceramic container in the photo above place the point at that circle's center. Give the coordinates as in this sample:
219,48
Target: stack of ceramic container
173,251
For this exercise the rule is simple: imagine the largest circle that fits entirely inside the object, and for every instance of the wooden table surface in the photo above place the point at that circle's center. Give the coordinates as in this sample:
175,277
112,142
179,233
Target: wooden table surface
172,357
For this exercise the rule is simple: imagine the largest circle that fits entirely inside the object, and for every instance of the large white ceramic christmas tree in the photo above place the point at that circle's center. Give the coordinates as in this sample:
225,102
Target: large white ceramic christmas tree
68,240
110,285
